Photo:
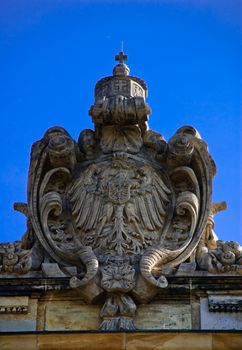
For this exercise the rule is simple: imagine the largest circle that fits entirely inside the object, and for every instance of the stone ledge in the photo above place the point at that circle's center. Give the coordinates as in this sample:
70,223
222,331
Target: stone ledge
167,340
16,285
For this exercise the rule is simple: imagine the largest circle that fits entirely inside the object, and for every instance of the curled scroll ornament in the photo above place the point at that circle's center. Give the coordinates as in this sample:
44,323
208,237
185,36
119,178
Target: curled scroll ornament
192,159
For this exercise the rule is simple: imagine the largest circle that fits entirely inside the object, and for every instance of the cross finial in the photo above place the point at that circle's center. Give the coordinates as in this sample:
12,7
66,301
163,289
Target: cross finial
121,57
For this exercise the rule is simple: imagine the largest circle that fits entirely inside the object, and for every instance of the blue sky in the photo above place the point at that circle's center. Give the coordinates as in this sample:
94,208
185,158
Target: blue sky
53,52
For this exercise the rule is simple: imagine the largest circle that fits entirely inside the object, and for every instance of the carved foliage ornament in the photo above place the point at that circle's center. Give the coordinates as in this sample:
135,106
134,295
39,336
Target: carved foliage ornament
117,207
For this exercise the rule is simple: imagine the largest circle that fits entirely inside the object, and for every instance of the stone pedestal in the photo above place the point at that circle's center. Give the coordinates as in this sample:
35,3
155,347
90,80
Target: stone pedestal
199,303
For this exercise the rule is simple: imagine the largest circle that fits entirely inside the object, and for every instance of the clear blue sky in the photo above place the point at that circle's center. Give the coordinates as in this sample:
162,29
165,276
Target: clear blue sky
53,52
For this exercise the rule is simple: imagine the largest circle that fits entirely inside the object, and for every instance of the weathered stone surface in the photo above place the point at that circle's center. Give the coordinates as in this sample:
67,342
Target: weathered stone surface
219,320
169,341
116,214
20,342
217,256
124,341
64,342
163,316
227,341
12,321
225,303
82,341
14,305
71,315
59,308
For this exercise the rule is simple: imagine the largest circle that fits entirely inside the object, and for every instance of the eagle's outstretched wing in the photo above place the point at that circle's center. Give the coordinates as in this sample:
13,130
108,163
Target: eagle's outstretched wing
86,200
151,201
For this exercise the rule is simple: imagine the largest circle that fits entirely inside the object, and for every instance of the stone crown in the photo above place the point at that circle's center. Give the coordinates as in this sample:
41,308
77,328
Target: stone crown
121,83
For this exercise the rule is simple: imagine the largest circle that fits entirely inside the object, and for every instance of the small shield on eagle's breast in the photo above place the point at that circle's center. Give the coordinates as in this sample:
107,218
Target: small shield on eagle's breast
119,192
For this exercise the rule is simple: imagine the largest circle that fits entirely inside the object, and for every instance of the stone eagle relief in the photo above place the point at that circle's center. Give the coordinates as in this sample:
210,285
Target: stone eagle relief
121,208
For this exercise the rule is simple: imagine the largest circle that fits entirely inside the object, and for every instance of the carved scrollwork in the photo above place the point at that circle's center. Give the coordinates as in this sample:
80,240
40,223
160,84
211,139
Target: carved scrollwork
89,259
61,151
56,230
48,185
188,161
195,176
188,202
181,146
118,277
120,206
52,215
116,138
14,259
117,205
216,256
118,313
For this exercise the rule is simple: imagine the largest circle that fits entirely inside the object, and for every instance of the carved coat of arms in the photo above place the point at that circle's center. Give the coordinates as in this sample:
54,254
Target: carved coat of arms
120,207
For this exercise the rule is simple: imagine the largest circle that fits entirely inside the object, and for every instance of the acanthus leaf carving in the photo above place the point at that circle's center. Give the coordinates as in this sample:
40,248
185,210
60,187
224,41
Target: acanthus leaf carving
14,259
217,256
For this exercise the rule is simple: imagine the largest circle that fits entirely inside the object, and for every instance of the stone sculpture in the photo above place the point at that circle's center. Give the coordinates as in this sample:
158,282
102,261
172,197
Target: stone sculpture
119,208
